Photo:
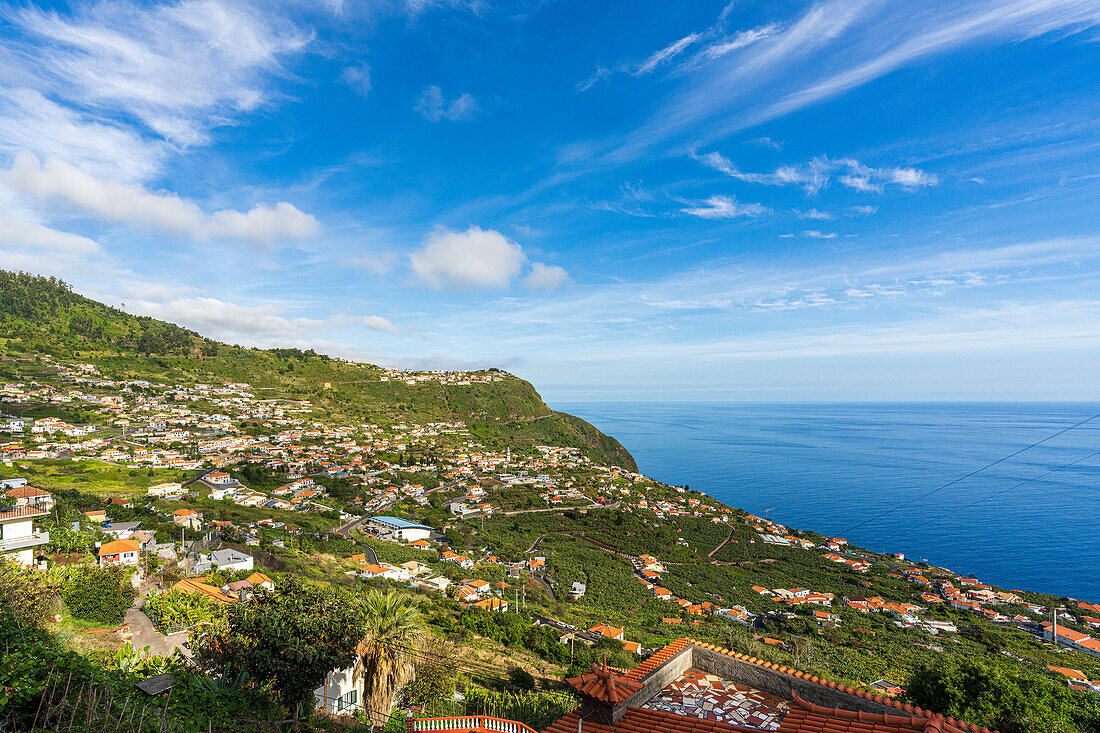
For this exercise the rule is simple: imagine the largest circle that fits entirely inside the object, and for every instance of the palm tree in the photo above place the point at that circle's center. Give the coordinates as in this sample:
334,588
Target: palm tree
384,658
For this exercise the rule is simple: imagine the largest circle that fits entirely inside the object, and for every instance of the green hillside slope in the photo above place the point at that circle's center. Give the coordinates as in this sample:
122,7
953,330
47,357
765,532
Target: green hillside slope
44,316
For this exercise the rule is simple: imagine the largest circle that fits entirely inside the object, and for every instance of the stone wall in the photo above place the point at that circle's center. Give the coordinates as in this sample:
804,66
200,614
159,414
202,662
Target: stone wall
778,683
661,677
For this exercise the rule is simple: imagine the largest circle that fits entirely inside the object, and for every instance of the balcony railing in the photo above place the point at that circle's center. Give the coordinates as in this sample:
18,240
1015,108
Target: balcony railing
478,723
21,543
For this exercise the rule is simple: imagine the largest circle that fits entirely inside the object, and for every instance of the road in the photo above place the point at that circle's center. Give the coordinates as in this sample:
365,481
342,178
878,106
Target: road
145,634
546,586
561,509
716,549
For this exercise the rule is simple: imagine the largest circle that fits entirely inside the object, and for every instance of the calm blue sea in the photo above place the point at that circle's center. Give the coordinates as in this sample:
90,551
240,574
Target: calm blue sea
827,467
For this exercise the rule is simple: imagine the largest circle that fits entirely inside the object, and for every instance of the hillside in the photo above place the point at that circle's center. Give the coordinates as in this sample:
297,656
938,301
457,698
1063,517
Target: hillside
44,316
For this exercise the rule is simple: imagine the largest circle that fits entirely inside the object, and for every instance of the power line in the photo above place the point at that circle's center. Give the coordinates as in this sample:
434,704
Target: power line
975,472
995,494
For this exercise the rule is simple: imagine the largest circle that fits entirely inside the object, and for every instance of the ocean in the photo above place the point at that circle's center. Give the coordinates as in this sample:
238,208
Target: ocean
829,467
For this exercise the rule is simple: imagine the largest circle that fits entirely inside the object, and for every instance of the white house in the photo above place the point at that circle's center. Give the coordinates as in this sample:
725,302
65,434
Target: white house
28,495
18,537
339,694
400,529
169,489
225,560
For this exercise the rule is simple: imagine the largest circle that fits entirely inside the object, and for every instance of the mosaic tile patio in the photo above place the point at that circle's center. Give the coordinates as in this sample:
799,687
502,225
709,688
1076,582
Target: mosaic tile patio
703,695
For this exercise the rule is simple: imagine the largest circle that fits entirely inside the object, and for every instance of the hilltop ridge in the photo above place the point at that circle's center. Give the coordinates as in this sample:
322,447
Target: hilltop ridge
42,315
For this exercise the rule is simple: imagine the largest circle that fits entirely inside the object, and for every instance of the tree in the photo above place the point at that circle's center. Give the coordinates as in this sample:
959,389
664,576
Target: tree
24,594
1010,698
96,594
289,639
385,655
436,670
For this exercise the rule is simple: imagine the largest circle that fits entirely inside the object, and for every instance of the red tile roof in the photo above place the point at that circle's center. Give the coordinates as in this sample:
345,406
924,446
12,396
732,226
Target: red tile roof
658,658
663,655
805,717
26,492
605,685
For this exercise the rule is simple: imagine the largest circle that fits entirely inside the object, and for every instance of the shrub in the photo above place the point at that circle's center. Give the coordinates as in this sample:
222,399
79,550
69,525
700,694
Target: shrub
99,595
521,678
23,593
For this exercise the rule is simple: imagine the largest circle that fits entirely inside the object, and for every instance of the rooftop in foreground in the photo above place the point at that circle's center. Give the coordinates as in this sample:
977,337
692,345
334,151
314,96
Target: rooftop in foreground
692,687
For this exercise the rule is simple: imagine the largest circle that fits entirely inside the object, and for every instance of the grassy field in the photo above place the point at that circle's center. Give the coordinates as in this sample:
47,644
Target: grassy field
90,477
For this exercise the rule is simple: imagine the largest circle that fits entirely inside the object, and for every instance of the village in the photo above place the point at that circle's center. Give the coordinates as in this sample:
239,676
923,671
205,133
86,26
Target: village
357,479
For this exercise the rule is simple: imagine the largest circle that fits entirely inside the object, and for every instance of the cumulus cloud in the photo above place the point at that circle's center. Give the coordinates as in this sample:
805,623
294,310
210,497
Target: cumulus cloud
432,105
545,277
474,259
725,207
358,78
29,235
131,203
816,174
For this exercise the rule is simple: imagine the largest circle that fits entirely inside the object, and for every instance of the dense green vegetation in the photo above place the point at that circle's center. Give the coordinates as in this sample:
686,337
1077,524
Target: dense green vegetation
1002,696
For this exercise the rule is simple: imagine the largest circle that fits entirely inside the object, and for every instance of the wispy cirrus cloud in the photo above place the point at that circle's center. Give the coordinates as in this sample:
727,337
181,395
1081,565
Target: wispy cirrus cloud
818,172
832,47
725,207
115,80
709,45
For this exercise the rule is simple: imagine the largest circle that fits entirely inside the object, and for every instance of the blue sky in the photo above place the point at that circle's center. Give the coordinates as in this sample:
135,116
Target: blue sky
643,201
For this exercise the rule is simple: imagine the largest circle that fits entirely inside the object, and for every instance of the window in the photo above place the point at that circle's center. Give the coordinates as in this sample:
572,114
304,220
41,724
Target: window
347,700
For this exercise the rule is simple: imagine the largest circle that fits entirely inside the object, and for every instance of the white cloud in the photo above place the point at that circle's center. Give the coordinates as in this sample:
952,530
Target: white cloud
545,277
860,183
813,176
830,47
863,210
376,264
716,45
178,68
474,259
30,121
434,107
358,78
263,224
665,54
725,207
816,215
133,204
378,323
739,40
817,173
250,325
29,235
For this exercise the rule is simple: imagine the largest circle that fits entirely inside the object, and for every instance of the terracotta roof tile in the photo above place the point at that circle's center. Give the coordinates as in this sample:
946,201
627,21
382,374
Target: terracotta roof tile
605,685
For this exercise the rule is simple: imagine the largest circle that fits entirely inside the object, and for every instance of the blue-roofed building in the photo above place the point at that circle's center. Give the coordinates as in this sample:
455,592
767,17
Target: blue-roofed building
400,529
